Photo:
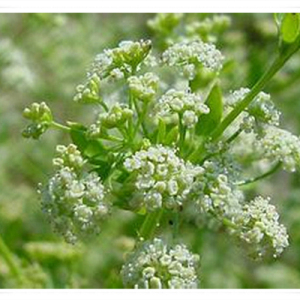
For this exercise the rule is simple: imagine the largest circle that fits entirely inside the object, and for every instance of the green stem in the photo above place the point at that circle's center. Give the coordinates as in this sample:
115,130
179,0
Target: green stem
270,172
150,223
112,138
278,63
8,257
105,107
60,126
233,136
141,116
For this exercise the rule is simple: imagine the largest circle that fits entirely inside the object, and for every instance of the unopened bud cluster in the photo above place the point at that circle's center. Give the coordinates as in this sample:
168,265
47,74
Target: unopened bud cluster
41,117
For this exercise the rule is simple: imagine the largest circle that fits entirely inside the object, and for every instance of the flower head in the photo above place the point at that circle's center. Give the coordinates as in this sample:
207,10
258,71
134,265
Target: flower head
281,145
74,202
162,179
260,227
192,54
155,265
143,87
187,104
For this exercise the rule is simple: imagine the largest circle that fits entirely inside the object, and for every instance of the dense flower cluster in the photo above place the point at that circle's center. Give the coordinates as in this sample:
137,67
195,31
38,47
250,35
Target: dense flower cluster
188,55
215,193
74,202
143,87
261,111
113,63
162,178
154,265
188,105
41,117
281,145
123,60
260,227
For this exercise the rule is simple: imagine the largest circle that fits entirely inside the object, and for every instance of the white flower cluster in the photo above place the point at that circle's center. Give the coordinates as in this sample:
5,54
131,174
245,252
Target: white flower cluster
187,104
156,266
162,178
74,202
281,145
187,55
260,227
261,111
143,87
214,192
121,61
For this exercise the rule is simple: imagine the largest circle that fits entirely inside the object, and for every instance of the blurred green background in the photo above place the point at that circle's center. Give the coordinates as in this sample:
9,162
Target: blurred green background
42,58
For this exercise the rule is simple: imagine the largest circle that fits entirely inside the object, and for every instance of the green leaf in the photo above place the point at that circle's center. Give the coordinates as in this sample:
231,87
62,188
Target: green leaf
79,138
290,27
103,169
207,123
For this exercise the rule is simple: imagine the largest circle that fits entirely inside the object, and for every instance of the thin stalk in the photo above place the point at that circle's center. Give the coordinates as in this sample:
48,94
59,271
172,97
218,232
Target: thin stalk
141,116
9,259
105,107
60,126
182,132
262,176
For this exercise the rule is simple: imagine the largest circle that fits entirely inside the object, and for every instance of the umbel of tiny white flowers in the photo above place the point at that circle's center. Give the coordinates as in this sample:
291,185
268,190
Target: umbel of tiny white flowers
261,111
154,265
281,145
115,63
144,87
73,201
258,225
184,103
162,179
191,54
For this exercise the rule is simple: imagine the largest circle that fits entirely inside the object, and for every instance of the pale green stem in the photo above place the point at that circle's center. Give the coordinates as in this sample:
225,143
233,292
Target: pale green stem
268,173
182,132
60,126
141,116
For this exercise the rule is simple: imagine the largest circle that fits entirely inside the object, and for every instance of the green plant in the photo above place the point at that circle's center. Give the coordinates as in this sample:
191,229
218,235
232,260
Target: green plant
166,140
